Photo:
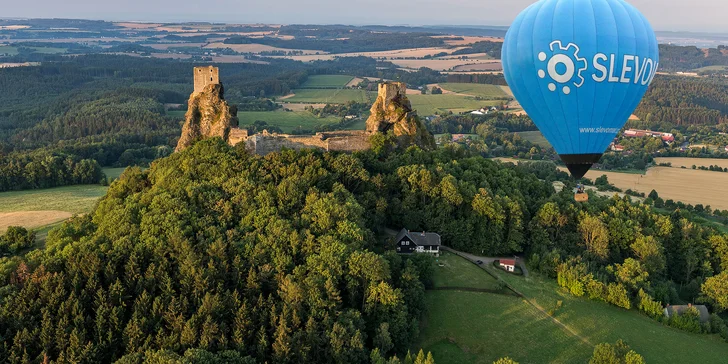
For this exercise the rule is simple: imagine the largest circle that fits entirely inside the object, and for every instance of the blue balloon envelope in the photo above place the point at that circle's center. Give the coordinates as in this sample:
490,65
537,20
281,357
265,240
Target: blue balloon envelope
579,68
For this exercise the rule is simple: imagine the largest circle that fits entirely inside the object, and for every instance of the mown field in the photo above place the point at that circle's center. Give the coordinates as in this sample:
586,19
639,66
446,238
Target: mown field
678,162
46,207
475,89
534,137
327,81
286,120
431,104
686,185
331,96
472,327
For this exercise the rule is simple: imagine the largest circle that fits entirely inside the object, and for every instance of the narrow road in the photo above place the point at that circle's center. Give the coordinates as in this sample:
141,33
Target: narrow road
490,260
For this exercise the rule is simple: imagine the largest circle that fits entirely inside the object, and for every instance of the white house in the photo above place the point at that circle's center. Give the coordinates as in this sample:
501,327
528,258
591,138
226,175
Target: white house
509,265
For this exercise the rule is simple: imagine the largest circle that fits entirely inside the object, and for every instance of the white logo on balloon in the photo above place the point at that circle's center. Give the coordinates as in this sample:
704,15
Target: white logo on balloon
569,60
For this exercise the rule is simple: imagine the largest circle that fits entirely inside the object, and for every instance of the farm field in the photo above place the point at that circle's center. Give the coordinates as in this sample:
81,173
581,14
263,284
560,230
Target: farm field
476,89
257,48
431,104
13,51
686,185
678,162
449,64
599,322
327,81
37,208
45,207
330,96
287,121
534,137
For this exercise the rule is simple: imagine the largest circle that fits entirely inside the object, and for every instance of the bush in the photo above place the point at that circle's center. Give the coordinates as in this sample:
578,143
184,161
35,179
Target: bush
15,239
617,295
649,306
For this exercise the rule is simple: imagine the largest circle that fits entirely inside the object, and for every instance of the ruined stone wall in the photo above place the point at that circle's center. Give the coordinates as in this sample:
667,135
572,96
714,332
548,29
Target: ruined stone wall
237,135
206,76
343,141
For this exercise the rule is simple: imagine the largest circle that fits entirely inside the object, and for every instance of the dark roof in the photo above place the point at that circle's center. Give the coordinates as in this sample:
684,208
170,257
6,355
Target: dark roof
419,238
680,309
507,261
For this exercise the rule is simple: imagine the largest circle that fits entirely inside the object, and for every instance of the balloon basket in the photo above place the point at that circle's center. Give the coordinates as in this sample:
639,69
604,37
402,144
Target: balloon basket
581,197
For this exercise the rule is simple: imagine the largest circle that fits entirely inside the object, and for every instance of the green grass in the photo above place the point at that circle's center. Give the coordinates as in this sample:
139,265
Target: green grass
599,322
360,124
534,137
286,120
459,272
74,199
178,114
471,327
330,96
711,68
113,173
327,81
431,104
13,51
476,89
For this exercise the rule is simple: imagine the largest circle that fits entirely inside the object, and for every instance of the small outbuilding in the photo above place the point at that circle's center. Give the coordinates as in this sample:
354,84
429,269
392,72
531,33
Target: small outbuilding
671,310
509,265
409,242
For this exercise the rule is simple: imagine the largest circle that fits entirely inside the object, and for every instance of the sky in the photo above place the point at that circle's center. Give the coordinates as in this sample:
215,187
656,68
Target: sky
666,15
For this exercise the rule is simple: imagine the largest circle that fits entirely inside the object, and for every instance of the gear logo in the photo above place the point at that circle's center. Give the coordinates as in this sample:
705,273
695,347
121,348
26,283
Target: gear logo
564,67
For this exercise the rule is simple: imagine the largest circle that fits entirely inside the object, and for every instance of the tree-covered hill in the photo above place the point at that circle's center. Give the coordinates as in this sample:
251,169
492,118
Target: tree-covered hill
273,258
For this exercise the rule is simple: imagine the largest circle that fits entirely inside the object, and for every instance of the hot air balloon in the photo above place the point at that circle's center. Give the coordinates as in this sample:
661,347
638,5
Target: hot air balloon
579,68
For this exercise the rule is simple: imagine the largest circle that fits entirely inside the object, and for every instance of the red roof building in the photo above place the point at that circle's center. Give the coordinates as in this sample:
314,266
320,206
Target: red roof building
508,264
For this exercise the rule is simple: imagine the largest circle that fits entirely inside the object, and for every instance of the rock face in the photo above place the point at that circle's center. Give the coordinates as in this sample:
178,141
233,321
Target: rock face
393,111
208,115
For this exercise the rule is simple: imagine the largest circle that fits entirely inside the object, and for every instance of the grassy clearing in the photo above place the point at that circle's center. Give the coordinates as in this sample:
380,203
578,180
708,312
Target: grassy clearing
327,81
330,96
360,124
73,199
471,327
458,272
177,114
711,68
287,121
534,137
599,322
476,89
431,104
113,173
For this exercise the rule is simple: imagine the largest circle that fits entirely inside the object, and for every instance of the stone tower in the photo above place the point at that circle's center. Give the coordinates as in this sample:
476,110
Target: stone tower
206,76
388,91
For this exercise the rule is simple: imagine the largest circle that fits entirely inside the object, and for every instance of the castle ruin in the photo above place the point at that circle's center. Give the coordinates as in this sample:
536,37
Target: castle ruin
206,76
209,115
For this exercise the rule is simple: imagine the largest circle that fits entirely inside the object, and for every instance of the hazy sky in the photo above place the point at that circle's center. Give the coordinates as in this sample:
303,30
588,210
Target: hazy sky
692,15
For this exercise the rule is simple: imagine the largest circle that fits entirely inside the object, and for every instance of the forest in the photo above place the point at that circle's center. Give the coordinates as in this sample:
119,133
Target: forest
685,101
284,258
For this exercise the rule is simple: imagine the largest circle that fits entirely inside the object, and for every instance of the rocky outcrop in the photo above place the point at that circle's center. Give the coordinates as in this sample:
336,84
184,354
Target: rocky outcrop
208,115
393,111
